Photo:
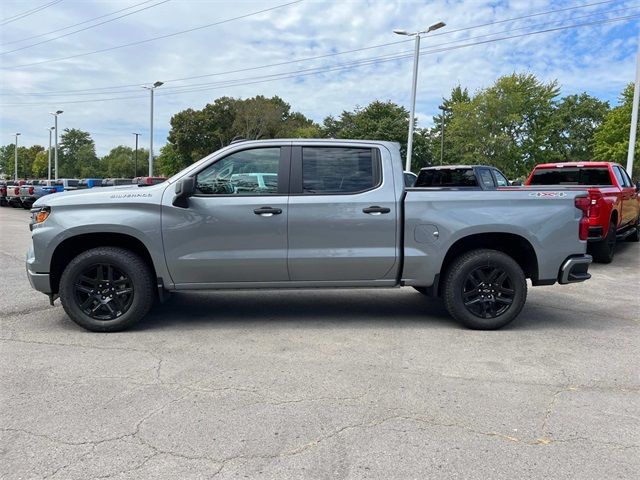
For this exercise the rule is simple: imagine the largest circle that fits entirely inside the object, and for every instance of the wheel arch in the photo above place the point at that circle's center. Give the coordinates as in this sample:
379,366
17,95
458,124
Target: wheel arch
514,245
73,246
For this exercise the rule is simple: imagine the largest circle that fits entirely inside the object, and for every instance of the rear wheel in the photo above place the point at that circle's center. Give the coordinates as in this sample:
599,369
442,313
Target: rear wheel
106,289
604,250
485,289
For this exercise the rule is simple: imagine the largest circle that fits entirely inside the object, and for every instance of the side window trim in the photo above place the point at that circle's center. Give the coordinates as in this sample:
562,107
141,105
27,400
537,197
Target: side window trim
296,184
283,172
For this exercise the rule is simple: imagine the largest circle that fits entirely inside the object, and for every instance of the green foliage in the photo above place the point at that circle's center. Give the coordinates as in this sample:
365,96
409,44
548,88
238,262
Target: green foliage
507,125
77,155
380,121
574,122
197,133
611,139
120,162
40,166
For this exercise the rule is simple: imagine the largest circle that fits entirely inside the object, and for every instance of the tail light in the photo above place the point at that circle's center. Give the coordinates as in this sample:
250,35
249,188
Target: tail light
595,199
16,191
584,204
30,190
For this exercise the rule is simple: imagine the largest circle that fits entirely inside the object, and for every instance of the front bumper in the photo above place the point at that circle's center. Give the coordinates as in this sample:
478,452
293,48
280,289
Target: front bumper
575,269
39,281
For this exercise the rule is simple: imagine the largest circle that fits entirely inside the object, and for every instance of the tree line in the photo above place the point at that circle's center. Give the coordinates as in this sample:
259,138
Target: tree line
515,123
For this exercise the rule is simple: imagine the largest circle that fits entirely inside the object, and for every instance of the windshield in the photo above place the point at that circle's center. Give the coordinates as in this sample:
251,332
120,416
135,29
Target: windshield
572,176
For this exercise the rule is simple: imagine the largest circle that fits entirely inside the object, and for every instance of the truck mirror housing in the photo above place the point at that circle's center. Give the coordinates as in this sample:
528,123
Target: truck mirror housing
185,188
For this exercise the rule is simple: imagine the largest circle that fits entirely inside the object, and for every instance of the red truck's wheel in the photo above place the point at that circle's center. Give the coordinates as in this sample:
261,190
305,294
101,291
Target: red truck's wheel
604,250
106,289
635,236
485,289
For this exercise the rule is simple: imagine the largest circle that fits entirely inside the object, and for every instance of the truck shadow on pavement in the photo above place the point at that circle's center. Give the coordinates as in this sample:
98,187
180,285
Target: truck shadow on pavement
299,307
335,308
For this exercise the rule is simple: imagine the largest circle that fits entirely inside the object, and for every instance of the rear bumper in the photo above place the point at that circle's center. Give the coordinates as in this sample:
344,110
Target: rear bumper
575,269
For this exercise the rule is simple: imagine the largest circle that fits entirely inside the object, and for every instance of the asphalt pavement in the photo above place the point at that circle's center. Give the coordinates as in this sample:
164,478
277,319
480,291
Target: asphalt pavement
321,384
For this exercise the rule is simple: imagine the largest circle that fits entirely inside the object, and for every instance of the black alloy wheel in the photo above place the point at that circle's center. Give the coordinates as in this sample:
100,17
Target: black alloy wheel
488,292
103,292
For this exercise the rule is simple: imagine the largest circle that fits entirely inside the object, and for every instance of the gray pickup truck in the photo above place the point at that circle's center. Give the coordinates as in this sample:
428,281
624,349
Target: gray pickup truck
302,214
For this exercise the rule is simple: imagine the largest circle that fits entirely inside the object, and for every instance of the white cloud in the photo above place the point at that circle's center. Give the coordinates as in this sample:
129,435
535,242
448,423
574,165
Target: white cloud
597,59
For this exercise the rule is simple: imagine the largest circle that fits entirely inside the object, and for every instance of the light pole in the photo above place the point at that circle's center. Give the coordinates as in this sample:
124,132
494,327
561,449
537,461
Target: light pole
55,126
15,171
136,155
634,115
444,110
414,85
50,129
151,88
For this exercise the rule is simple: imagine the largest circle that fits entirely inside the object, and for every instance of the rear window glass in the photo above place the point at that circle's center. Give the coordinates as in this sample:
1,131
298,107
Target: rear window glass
571,176
337,170
450,177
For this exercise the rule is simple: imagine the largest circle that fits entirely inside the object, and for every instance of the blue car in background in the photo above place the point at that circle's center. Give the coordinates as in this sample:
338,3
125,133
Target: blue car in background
90,183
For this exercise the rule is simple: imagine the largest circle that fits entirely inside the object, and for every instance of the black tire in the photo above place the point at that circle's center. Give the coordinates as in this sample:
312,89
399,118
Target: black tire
635,236
121,293
604,250
485,289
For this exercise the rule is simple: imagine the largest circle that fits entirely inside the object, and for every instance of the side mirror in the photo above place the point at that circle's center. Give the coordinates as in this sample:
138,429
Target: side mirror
185,188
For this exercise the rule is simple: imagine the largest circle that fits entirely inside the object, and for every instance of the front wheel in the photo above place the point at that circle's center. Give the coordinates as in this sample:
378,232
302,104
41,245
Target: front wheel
635,235
106,289
485,289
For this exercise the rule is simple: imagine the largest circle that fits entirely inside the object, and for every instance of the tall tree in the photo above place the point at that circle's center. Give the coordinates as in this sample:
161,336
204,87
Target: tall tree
379,121
574,122
506,125
40,166
611,139
77,154
120,162
459,96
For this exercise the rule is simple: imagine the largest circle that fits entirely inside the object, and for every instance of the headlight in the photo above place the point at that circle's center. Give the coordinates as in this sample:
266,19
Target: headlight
39,215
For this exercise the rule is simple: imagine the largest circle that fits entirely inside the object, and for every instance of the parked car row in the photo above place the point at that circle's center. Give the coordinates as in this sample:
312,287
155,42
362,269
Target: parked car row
24,193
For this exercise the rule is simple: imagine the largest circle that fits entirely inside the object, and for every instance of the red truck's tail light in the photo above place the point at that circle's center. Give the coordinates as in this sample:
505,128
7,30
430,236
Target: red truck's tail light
16,191
584,204
30,190
595,201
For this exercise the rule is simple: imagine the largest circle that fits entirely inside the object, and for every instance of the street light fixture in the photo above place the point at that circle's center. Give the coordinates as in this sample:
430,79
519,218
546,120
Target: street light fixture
55,126
151,88
50,129
15,171
416,56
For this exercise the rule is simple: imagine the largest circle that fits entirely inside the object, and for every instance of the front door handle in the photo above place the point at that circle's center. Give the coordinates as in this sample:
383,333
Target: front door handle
376,210
267,211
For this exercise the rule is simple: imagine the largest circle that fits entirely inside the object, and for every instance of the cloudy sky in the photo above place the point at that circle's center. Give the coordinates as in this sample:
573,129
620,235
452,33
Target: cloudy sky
90,57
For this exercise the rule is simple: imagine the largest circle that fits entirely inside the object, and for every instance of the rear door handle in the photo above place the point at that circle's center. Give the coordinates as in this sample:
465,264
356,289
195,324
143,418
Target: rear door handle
267,211
376,210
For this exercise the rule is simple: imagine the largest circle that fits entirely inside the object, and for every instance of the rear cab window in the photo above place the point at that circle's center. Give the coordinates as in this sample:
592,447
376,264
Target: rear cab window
447,177
595,176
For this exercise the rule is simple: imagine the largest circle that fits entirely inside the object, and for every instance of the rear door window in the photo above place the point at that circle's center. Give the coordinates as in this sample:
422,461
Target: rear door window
339,170
621,176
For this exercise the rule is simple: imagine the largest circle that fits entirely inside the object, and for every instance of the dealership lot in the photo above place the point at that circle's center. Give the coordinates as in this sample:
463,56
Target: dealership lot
328,384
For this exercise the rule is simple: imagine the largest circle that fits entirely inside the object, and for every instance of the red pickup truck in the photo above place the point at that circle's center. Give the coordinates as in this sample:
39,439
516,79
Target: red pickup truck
614,212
